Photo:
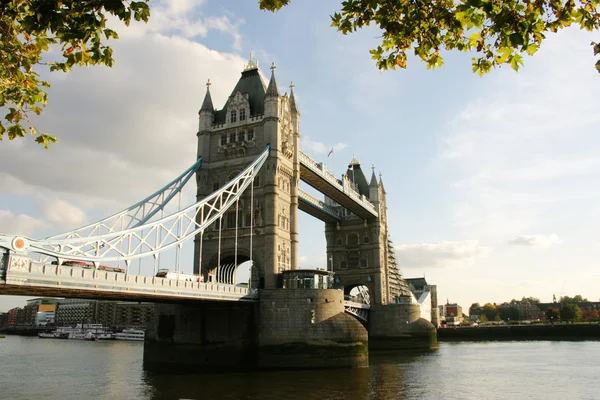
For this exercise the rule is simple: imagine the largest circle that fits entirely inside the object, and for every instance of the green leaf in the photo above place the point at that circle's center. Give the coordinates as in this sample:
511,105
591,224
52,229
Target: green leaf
532,49
516,39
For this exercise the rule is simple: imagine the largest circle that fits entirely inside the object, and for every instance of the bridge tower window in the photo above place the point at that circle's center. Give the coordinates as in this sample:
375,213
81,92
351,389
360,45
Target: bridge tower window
250,135
352,239
242,114
233,116
232,138
223,140
240,136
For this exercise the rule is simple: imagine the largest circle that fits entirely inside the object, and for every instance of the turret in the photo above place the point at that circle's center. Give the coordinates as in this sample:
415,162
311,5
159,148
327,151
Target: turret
205,121
206,112
293,106
373,187
272,96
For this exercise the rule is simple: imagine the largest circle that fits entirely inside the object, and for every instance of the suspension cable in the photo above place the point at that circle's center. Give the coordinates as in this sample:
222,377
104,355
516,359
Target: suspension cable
219,251
237,214
179,245
251,219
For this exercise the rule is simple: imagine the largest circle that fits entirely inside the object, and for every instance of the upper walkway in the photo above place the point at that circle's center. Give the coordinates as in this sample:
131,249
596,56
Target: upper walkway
317,176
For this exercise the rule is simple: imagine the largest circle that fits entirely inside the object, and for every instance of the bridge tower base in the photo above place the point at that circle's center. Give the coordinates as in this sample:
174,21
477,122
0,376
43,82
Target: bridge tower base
399,327
289,328
308,328
203,335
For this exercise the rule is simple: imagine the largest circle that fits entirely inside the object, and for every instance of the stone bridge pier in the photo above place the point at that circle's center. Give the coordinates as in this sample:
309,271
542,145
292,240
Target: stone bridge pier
289,328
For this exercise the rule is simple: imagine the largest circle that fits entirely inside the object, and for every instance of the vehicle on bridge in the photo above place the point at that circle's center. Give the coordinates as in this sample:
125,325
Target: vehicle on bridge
168,274
81,264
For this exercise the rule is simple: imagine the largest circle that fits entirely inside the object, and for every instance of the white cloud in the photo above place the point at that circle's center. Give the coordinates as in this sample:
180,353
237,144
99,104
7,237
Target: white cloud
302,260
20,224
124,131
516,151
442,254
320,148
535,240
182,18
62,214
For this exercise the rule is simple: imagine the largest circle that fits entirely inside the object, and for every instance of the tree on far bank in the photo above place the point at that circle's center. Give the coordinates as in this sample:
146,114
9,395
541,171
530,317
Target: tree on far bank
571,313
553,315
490,311
27,30
573,300
475,309
530,300
498,32
508,312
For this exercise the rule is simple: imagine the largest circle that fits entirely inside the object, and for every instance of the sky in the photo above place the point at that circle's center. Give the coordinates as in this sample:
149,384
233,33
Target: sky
491,181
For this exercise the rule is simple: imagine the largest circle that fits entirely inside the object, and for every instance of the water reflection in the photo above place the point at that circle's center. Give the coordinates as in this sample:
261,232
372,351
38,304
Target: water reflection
32,368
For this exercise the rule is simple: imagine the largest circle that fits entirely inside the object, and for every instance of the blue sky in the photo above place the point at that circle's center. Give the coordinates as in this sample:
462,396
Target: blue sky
491,182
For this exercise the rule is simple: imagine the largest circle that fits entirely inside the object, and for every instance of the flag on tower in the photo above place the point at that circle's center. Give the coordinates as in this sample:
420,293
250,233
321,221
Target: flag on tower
330,152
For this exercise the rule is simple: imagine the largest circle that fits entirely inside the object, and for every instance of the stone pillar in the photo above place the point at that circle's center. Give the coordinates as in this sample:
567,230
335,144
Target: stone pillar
202,335
308,328
399,326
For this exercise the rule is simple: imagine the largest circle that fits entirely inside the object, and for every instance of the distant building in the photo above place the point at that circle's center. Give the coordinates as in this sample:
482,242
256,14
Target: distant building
454,314
3,320
13,314
39,311
529,311
75,311
108,313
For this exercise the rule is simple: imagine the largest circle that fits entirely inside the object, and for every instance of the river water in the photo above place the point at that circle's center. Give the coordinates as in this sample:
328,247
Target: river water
32,368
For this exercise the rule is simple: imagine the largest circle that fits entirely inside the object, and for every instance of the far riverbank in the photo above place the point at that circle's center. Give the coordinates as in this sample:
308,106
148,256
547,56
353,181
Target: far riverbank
522,332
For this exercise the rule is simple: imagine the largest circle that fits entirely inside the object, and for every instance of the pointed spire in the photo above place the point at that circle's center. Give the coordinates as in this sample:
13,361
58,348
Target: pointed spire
293,106
207,104
381,183
373,182
273,89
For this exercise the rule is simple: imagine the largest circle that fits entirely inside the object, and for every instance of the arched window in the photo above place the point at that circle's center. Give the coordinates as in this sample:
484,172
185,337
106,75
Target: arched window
233,116
242,114
352,239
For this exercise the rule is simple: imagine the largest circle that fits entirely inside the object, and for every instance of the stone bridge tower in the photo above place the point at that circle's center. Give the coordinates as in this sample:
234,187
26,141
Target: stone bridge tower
359,251
254,116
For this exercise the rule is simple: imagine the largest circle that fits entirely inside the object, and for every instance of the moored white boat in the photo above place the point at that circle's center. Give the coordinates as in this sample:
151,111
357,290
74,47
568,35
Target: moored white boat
131,334
46,335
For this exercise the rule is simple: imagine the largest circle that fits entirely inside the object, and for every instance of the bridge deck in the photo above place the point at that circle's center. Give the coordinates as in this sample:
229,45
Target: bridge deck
317,208
24,277
324,181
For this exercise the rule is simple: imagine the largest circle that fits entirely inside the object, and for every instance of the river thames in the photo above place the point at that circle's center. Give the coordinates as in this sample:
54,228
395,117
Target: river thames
32,368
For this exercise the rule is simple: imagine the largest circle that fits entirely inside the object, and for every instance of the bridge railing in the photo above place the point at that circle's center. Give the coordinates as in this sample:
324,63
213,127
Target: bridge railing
25,272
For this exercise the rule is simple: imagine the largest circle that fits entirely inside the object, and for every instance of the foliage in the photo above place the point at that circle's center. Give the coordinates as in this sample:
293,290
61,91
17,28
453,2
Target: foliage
483,318
490,311
553,315
530,300
573,300
500,32
475,309
591,315
571,313
28,29
508,312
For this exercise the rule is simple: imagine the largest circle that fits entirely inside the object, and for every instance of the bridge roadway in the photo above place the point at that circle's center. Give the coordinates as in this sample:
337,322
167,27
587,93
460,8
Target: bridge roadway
317,176
19,275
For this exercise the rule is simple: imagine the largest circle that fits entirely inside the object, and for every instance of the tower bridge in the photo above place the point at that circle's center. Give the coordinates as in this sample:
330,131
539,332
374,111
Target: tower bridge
248,170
